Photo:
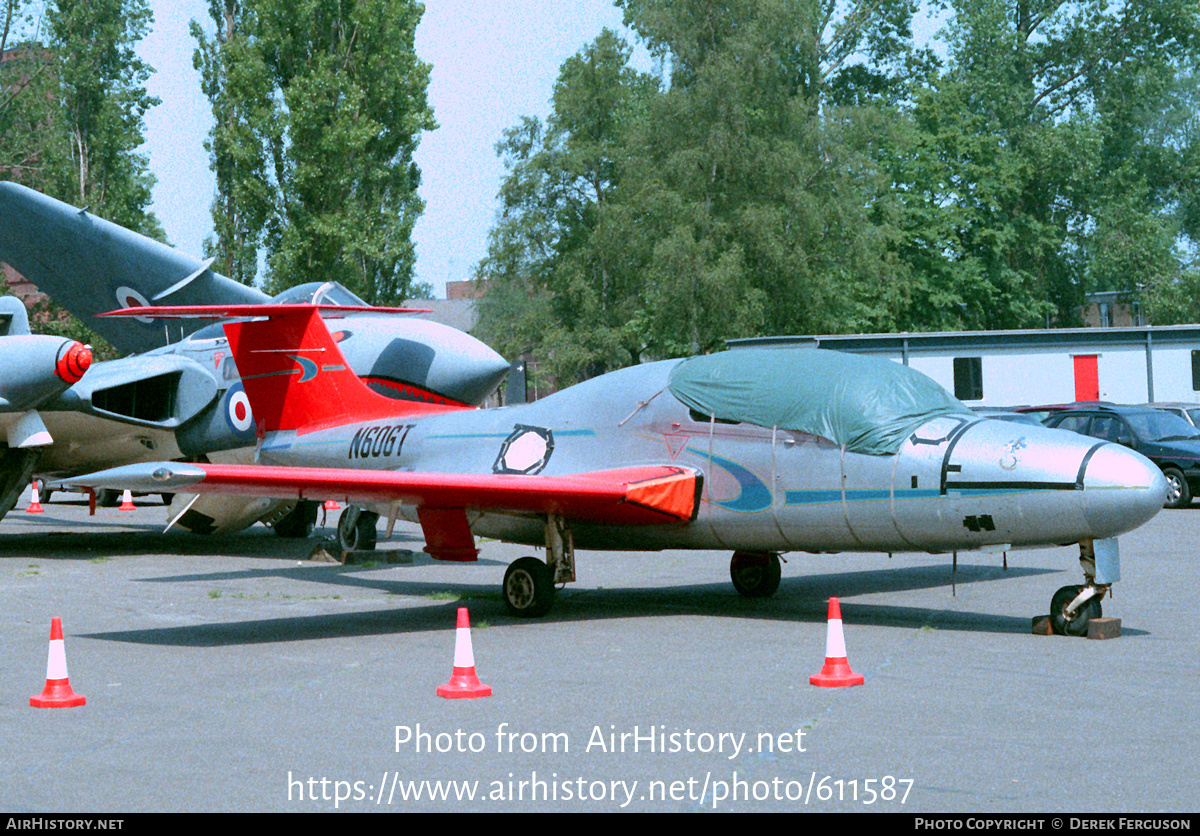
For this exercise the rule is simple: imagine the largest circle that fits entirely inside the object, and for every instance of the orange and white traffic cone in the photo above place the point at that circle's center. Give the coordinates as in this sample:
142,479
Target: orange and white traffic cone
57,693
463,684
127,502
35,503
331,505
836,672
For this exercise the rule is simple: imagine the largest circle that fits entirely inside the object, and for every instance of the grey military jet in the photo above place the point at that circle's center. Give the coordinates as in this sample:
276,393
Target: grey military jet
756,451
178,395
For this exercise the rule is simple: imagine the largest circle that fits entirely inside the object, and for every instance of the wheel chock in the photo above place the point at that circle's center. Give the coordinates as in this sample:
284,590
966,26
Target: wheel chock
1104,628
1041,626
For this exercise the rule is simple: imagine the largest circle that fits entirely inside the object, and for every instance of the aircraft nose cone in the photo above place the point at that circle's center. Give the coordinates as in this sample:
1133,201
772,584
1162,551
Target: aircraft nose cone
1121,490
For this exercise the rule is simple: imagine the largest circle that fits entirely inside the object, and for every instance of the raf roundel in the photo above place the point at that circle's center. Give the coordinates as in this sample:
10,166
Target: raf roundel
237,409
526,450
127,297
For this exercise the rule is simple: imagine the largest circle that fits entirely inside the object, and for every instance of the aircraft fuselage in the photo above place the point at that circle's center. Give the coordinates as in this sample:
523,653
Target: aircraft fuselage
958,482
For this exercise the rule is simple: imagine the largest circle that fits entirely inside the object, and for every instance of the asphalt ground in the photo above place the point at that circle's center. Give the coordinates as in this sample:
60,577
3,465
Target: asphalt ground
233,674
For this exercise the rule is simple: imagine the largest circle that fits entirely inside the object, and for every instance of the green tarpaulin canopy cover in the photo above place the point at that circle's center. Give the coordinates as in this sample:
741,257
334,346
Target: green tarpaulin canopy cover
864,404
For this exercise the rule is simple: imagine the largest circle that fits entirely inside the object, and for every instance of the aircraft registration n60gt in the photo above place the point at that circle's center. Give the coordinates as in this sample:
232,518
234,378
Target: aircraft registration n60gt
755,451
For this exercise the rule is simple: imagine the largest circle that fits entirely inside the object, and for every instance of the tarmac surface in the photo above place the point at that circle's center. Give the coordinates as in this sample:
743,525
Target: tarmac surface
234,674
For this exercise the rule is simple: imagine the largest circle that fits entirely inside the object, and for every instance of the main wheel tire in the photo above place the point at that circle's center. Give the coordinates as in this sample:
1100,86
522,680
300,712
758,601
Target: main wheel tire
1179,495
1078,624
356,529
528,588
300,521
755,575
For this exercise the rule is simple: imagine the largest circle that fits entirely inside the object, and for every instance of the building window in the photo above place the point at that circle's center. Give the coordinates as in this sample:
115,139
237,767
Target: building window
1195,370
968,378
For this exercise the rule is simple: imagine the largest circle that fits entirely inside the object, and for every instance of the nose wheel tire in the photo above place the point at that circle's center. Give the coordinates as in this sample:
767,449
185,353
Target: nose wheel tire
528,588
754,575
1076,625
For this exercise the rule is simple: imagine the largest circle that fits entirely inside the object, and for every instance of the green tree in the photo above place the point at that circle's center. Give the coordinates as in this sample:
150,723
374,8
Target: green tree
244,198
71,117
98,123
559,276
1038,164
26,94
319,106
731,196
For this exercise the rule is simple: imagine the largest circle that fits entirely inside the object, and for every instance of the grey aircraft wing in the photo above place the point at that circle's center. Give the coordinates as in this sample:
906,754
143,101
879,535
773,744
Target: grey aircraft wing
90,265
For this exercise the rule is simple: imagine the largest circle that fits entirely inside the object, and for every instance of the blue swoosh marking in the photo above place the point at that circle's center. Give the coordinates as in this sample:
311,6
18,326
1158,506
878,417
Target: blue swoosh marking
754,495
307,366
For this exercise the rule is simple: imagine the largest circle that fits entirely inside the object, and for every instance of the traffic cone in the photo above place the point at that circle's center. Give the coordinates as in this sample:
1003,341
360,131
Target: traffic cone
35,503
836,672
331,505
463,684
57,693
127,502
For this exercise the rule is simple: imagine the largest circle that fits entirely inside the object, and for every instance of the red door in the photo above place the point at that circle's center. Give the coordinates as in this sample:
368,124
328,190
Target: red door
1087,378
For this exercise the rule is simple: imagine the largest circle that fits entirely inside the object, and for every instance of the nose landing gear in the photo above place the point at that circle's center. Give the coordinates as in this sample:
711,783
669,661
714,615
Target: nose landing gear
1072,607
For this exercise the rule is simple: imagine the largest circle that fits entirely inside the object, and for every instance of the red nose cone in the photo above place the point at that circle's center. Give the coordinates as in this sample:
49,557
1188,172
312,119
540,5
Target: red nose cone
73,362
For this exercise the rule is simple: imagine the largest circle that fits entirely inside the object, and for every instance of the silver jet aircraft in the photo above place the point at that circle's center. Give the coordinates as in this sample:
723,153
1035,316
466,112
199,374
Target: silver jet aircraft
755,451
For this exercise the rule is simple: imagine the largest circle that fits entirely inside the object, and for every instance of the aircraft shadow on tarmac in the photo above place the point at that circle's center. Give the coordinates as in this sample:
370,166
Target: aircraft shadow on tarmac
800,599
116,539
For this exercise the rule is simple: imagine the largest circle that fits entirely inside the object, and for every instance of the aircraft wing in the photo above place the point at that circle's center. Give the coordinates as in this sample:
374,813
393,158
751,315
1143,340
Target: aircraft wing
645,495
89,265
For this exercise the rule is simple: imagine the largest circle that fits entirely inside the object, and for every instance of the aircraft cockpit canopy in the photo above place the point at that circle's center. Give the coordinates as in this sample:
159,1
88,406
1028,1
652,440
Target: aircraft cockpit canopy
864,404
318,293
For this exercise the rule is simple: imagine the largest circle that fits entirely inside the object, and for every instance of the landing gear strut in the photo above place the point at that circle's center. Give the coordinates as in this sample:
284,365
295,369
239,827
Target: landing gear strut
1072,607
529,583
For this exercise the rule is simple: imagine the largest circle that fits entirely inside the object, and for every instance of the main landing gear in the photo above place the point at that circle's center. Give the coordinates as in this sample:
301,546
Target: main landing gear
529,583
755,574
1072,607
356,529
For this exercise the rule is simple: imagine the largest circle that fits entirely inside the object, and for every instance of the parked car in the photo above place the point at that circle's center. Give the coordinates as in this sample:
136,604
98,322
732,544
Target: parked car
1166,439
1189,412
1043,412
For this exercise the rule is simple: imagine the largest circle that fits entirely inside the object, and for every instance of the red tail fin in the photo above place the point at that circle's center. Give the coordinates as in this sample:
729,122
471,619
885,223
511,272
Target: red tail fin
293,372
296,377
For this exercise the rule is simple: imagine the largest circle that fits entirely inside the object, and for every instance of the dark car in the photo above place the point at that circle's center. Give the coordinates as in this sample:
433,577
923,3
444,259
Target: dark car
1043,412
1167,440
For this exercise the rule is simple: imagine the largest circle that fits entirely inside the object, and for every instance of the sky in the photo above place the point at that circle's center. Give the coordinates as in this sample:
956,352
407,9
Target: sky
492,63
